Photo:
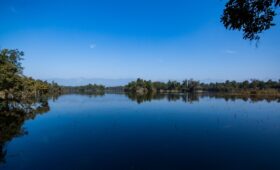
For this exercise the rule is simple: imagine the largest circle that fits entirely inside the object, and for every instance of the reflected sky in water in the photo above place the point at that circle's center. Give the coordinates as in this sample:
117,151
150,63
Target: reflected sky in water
114,132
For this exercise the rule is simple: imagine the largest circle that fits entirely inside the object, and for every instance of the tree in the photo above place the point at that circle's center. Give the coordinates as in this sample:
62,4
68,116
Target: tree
10,71
252,17
173,85
14,85
185,85
159,85
193,85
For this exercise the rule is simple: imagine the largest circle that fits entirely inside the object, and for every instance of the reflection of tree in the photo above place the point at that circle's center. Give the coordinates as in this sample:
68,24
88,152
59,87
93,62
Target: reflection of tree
244,97
173,97
188,97
89,94
193,97
100,94
140,98
12,117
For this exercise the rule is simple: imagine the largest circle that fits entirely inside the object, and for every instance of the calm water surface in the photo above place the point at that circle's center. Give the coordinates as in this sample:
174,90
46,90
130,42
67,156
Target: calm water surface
115,132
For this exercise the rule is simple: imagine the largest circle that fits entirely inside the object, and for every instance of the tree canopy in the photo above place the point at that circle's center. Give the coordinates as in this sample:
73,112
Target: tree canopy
10,69
253,86
14,85
252,17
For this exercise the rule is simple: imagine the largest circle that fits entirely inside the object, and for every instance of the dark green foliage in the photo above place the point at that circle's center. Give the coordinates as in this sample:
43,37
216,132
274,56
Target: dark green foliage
173,85
14,85
90,88
115,89
143,86
233,86
160,85
10,70
250,16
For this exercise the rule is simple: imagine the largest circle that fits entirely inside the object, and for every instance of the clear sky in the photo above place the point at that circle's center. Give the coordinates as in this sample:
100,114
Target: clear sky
120,39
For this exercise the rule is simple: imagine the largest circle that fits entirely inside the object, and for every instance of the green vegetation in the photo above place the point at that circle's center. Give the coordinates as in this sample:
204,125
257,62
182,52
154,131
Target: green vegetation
116,89
253,87
14,85
88,89
252,17
142,86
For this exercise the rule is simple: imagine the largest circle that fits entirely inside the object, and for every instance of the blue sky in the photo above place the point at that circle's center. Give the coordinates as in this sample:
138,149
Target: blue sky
125,39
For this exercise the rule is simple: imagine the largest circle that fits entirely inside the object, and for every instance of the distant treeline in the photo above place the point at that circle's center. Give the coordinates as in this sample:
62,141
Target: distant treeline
90,88
141,86
14,85
115,89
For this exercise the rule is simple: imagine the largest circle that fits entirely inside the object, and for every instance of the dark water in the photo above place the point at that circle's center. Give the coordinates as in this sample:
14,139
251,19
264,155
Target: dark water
115,131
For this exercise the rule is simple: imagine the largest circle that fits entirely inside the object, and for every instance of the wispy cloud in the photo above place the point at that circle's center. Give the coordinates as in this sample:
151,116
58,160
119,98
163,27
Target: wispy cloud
92,46
230,52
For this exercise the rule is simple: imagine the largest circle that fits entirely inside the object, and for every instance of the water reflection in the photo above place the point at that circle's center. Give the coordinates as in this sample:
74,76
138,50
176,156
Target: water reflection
13,114
195,97
251,98
89,94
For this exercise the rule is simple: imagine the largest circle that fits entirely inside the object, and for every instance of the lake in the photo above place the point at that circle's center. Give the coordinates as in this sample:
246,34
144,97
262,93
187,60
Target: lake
117,131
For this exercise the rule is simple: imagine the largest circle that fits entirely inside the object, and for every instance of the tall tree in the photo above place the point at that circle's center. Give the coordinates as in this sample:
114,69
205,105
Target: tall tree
10,70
